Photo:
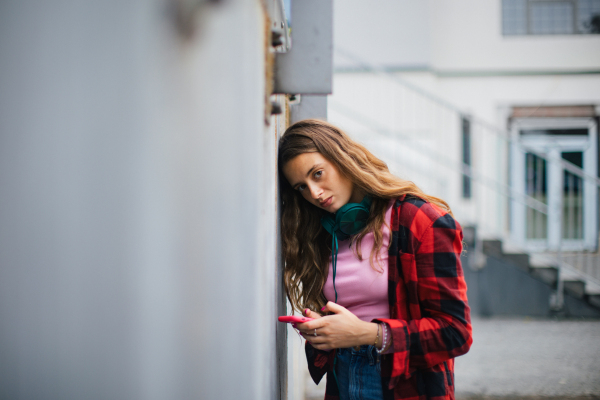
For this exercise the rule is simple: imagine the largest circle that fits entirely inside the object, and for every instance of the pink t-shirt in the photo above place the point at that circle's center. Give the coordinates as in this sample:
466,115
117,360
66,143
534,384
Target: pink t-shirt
361,289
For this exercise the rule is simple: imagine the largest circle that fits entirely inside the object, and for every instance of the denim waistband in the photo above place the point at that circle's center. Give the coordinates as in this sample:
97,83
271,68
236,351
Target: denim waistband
365,350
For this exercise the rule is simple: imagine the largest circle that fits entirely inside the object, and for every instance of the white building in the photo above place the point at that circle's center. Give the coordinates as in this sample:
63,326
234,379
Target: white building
491,104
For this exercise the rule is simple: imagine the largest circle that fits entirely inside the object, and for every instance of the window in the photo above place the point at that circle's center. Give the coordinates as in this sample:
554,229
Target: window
550,17
544,152
466,155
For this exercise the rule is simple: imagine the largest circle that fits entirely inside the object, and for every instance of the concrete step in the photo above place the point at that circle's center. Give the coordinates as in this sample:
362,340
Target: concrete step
544,267
575,288
548,275
594,299
492,247
521,260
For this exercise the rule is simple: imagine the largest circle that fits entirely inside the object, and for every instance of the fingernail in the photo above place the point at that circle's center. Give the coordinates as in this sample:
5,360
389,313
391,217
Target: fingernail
294,325
323,309
305,311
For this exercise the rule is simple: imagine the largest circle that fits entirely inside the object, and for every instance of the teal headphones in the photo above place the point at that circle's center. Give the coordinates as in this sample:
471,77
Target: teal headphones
349,220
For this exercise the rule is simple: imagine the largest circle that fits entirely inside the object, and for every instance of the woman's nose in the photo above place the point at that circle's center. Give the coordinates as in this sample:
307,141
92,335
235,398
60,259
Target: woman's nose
315,192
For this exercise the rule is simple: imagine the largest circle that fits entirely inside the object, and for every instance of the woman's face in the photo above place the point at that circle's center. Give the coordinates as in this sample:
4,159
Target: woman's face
320,182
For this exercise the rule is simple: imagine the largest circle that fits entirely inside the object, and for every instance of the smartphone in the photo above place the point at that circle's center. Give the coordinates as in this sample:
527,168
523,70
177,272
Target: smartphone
294,319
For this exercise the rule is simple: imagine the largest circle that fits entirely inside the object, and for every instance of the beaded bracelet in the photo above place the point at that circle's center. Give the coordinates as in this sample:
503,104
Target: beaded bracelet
384,344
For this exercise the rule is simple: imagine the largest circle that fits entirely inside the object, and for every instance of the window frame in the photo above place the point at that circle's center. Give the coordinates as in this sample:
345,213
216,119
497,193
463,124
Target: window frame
576,30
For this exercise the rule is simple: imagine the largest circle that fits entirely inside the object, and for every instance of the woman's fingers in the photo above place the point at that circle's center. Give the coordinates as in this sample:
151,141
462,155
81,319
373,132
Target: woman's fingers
340,329
306,326
319,342
310,332
329,307
310,326
333,307
311,314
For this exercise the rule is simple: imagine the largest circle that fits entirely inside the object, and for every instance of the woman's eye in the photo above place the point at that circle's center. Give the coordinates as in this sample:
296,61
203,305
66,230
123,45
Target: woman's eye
318,174
300,188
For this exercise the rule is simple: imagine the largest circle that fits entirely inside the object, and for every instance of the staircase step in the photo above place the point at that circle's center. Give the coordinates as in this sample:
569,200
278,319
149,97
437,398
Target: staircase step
492,247
575,288
544,267
594,299
521,260
547,275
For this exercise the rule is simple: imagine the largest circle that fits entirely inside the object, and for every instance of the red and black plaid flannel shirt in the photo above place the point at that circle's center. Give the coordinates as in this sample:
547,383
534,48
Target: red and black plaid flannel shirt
429,313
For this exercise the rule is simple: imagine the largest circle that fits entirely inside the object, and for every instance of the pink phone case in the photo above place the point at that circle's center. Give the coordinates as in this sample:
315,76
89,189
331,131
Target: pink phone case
294,319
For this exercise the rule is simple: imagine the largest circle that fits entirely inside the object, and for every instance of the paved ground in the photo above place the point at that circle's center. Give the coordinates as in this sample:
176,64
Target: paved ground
515,358
520,357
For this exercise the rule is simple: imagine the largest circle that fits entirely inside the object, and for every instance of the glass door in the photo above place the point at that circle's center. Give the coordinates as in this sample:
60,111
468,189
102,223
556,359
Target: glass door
572,198
550,160
536,187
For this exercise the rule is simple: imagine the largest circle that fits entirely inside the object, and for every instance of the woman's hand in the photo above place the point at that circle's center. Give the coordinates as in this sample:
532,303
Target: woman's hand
341,329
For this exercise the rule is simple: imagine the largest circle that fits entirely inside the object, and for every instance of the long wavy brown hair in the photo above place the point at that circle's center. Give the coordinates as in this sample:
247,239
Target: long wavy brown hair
306,244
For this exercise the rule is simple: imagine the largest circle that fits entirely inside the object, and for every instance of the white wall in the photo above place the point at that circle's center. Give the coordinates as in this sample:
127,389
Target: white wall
451,36
138,203
467,35
426,136
385,32
471,68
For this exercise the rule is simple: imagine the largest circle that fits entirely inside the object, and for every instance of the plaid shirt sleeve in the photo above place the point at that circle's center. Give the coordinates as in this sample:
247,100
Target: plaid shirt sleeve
435,324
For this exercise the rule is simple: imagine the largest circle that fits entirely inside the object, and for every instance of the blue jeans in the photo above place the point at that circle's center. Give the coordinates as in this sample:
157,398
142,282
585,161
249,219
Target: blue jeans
359,373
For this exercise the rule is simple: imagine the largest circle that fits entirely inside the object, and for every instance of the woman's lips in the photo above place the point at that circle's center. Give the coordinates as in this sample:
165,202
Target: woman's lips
327,202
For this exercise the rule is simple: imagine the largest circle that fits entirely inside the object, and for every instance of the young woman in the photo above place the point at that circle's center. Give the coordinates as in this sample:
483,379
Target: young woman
376,263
